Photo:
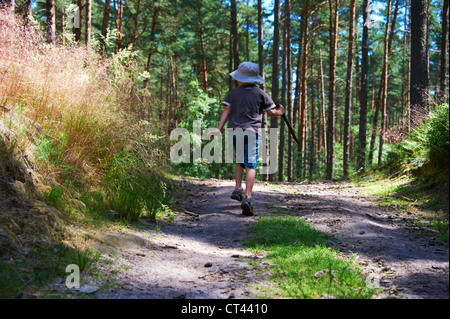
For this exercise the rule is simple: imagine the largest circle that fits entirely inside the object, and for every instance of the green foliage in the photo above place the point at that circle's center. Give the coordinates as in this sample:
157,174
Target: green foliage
43,264
52,150
437,136
426,149
132,190
54,196
304,267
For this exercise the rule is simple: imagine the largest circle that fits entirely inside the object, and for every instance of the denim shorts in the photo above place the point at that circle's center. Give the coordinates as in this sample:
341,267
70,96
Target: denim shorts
248,142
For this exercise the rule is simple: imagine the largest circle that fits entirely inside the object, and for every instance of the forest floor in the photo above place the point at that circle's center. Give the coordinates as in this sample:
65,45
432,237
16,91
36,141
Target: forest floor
199,254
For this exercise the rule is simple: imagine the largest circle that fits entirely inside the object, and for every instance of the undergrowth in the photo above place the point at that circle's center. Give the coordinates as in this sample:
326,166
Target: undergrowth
69,117
71,112
414,179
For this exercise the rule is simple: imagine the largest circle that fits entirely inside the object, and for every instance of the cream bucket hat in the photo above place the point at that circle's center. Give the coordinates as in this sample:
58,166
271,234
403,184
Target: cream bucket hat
247,72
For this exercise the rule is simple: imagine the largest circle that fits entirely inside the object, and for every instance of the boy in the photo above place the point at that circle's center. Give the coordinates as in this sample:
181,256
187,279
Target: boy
243,109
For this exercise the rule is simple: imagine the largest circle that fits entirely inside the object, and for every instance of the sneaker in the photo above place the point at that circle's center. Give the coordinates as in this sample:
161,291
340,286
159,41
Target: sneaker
247,206
238,195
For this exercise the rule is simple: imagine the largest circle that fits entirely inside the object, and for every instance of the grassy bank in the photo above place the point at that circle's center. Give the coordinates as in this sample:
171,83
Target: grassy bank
73,115
73,151
304,266
423,201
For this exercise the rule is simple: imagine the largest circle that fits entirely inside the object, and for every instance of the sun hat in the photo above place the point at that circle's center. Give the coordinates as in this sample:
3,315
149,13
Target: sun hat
247,72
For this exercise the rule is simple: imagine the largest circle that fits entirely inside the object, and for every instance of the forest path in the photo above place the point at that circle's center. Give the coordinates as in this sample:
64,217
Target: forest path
200,253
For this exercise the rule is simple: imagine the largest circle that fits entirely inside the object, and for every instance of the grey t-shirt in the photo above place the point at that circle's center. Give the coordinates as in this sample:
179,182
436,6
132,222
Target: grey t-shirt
247,103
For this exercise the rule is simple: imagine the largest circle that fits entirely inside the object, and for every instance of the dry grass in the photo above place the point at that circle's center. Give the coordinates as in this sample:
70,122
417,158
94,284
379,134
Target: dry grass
67,98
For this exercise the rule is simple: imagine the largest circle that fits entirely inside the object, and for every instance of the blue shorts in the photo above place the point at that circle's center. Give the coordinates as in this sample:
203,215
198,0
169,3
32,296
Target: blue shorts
250,144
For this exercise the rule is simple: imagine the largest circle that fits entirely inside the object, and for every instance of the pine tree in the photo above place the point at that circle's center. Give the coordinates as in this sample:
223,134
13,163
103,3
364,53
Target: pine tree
349,89
364,83
419,47
334,18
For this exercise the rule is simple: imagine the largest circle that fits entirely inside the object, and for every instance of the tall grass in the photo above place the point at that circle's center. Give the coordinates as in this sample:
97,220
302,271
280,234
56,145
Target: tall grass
73,110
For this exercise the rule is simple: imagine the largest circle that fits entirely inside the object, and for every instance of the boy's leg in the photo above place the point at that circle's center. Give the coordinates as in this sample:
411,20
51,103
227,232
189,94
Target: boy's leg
238,173
238,193
246,204
249,181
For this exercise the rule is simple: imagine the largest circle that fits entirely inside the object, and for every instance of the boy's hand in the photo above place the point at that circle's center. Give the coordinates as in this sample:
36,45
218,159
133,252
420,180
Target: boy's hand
280,108
213,133
277,111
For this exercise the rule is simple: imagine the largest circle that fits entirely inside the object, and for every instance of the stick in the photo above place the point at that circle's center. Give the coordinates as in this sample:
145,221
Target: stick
288,125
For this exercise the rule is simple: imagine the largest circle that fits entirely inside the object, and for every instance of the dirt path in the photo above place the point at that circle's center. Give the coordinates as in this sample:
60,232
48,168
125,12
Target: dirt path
199,254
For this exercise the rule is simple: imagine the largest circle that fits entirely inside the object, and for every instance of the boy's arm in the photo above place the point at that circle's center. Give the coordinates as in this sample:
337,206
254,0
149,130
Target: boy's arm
223,120
278,111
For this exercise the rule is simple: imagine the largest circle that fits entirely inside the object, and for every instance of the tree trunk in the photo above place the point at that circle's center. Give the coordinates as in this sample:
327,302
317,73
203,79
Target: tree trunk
106,12
334,5
283,99
419,48
8,4
119,18
404,60
77,31
443,76
88,22
385,87
312,144
363,95
261,42
28,11
349,89
297,83
303,89
322,104
381,94
275,67
51,21
234,34
265,176
284,86
134,35
202,48
149,58
290,162
247,33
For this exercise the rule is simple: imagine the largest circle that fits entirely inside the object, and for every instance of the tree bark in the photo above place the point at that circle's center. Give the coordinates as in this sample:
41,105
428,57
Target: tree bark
106,12
149,58
385,87
265,176
28,11
419,48
303,89
349,90
234,34
443,74
119,18
334,11
284,86
275,67
8,4
88,22
51,22
312,144
290,162
202,47
77,31
322,104
363,95
134,34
